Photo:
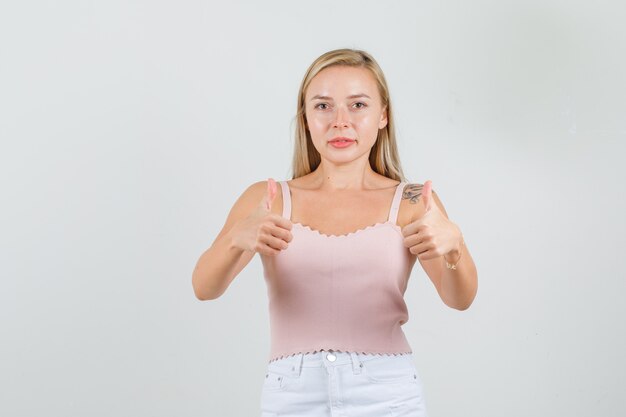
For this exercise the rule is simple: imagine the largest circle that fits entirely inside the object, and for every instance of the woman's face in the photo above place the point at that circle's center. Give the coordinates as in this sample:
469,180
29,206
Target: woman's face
343,101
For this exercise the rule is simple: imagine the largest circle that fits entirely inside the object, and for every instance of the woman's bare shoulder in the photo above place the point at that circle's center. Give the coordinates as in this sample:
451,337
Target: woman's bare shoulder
247,202
411,206
412,199
412,192
252,195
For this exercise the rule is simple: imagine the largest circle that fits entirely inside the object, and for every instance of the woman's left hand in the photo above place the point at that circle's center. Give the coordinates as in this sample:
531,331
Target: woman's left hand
433,234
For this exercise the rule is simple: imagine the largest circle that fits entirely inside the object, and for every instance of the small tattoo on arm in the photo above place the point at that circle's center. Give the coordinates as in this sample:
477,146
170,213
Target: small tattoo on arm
412,192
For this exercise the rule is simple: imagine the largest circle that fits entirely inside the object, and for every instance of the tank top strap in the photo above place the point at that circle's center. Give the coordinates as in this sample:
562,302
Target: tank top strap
395,203
286,200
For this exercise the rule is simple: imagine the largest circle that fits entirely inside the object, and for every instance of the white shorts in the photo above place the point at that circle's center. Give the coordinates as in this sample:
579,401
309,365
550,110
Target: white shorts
343,384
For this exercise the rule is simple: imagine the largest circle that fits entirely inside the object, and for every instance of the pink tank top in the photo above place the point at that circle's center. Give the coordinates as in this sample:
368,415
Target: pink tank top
339,292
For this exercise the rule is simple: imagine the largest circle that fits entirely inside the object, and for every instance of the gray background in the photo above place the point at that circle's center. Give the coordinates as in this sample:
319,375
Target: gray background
129,129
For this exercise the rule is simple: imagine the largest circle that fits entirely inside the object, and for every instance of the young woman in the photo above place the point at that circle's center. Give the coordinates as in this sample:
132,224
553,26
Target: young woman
338,242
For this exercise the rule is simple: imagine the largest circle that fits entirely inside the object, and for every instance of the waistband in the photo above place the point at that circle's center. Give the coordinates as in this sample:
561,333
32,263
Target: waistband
292,365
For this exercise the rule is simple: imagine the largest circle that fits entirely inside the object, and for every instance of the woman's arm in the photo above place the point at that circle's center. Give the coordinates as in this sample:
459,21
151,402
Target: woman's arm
222,262
456,287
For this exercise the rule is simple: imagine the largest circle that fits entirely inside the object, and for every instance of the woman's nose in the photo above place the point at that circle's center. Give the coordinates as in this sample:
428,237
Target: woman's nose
341,119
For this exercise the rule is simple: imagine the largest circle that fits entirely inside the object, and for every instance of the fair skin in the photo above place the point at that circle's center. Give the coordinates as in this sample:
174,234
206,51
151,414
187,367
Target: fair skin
340,101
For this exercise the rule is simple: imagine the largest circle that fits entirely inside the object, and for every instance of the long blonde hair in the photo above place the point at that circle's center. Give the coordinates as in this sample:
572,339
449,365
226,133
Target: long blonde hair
383,158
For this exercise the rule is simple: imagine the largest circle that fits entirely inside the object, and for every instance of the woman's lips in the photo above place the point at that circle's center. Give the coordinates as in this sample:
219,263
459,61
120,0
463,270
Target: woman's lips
341,143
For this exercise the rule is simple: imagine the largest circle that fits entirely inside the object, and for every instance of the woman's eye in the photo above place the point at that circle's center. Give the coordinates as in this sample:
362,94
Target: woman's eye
359,105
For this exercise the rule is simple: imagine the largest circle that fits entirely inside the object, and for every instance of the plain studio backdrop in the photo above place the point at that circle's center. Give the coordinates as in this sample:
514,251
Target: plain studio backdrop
129,129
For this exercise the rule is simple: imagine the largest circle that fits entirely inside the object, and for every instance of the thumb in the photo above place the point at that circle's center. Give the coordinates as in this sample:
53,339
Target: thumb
270,194
427,194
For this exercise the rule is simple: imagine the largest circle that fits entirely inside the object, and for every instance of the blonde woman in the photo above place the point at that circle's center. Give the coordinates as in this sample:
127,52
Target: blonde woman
338,242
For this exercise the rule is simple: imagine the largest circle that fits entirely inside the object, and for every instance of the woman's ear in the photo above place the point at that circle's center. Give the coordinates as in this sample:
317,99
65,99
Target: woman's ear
383,119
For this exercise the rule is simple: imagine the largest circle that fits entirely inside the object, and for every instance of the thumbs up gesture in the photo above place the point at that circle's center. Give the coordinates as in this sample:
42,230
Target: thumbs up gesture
433,234
263,231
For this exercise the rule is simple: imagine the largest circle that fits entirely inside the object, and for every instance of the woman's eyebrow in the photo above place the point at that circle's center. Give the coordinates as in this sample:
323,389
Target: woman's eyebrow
318,97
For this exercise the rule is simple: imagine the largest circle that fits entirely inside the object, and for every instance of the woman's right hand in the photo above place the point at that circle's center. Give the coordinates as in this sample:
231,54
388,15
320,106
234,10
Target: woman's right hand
263,231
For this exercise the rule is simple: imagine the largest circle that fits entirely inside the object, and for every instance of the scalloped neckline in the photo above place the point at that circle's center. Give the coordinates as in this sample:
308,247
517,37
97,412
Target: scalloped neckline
371,226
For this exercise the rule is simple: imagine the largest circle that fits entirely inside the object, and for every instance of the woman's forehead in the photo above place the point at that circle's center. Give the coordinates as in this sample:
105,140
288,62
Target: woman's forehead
342,82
